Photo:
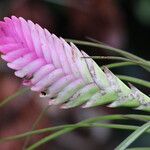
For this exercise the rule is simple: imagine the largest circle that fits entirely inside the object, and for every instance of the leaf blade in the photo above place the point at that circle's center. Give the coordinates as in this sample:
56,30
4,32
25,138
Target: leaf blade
131,138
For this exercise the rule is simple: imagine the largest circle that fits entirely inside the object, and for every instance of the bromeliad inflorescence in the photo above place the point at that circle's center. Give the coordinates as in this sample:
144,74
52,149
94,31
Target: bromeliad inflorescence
50,65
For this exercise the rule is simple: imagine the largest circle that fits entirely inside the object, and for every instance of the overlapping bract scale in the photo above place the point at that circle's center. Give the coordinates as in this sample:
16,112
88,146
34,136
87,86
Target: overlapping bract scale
50,65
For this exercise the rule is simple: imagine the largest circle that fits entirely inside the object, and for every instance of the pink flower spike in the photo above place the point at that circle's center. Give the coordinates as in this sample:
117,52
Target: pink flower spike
50,65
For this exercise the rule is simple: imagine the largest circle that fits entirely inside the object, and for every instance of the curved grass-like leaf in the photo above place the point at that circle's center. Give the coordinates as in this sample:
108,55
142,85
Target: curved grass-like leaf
69,129
87,123
145,63
133,136
50,65
139,148
10,98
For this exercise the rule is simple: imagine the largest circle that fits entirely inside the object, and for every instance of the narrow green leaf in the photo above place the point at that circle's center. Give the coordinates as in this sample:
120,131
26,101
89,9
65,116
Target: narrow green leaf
93,44
139,148
121,52
35,132
91,120
134,80
66,130
12,97
138,117
119,64
40,117
130,139
51,137
116,58
86,123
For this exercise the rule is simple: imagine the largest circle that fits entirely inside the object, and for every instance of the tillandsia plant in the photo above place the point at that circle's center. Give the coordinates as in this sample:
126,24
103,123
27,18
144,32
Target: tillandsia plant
65,75
61,72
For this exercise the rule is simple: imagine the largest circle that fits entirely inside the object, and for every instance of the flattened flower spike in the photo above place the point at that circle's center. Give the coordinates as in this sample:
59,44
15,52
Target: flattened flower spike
58,71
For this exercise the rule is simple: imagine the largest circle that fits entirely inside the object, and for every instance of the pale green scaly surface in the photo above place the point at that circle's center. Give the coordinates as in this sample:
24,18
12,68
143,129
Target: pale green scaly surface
102,92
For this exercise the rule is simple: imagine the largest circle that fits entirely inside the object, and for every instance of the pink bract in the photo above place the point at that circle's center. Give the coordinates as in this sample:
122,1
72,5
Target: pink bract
47,63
